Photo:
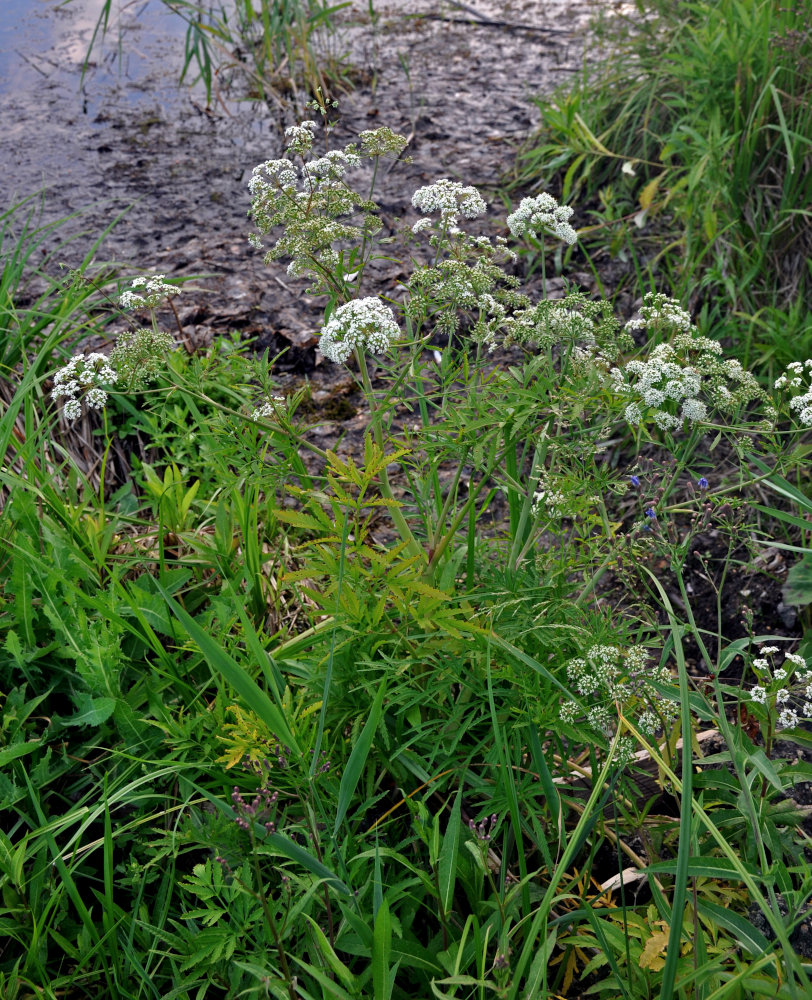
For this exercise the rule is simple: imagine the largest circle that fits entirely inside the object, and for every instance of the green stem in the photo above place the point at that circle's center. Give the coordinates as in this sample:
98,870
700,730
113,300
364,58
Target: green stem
401,524
458,519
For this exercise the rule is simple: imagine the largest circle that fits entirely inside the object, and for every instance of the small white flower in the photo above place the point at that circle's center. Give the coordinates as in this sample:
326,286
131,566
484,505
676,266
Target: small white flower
648,723
422,225
300,137
788,718
693,410
72,409
780,674
632,414
268,410
758,695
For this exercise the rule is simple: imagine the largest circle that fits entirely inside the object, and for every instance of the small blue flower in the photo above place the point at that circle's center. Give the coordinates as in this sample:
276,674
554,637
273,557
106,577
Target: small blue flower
702,483
634,480
652,513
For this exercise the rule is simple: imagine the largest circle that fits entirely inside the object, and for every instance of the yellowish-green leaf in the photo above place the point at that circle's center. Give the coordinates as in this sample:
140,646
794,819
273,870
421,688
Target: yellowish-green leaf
649,191
652,954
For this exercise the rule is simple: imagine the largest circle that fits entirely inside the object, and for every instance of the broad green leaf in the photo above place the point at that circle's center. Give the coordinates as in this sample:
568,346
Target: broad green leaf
358,758
798,588
447,862
743,930
8,754
92,712
381,948
247,688
335,963
285,846
722,868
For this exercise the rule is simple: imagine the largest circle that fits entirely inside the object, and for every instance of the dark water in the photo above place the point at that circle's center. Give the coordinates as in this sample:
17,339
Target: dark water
121,136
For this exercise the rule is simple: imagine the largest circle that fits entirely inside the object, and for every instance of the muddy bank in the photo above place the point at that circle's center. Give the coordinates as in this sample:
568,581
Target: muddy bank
125,140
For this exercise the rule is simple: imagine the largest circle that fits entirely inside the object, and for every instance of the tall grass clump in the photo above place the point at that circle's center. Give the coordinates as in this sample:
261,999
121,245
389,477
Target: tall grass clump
440,715
690,141
278,49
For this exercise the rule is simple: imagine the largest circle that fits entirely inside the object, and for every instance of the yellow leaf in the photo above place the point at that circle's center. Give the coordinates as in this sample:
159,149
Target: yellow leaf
651,958
648,192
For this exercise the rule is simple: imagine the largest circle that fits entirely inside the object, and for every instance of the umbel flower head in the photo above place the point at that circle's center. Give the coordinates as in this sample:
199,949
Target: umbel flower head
682,380
542,214
155,290
797,381
363,324
451,199
82,379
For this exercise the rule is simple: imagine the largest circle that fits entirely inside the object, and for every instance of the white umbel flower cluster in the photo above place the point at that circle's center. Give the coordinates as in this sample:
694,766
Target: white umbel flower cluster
366,324
269,410
779,686
451,199
659,312
155,290
548,500
797,379
658,379
300,137
84,378
540,215
683,379
606,674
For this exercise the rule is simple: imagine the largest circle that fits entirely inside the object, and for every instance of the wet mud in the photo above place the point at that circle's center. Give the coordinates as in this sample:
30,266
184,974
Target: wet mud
124,140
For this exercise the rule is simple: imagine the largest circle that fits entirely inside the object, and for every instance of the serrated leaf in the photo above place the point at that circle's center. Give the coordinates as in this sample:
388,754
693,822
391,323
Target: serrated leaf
8,754
92,712
298,519
652,955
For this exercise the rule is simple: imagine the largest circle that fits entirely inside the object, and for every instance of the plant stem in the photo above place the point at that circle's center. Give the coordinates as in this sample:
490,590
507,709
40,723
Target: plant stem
401,524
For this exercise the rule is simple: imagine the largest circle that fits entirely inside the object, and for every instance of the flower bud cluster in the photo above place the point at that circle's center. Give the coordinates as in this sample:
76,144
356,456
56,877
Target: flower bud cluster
139,356
778,684
483,830
258,810
85,378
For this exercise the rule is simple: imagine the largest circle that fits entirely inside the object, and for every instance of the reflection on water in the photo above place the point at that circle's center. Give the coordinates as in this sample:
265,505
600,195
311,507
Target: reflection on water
45,42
